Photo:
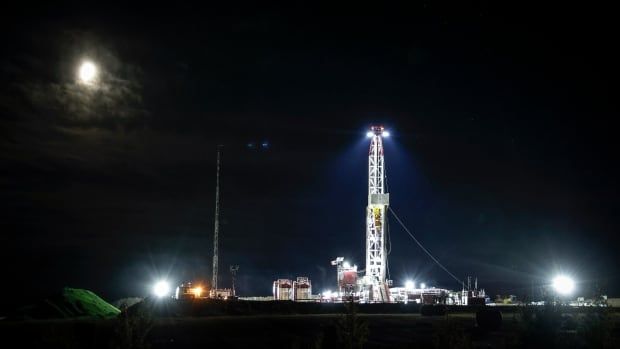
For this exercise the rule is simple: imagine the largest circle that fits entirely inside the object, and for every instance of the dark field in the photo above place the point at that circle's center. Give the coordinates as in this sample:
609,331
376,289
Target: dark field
546,329
261,331
243,324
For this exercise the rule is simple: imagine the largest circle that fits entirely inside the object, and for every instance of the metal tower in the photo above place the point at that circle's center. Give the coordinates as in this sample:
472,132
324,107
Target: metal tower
375,286
233,274
216,230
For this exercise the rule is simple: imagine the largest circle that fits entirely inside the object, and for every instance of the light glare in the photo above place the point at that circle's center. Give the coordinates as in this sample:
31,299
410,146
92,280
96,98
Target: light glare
369,134
563,284
161,289
409,285
385,134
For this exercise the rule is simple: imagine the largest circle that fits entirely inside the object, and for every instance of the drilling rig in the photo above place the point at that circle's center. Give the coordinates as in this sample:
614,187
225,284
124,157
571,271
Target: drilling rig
374,286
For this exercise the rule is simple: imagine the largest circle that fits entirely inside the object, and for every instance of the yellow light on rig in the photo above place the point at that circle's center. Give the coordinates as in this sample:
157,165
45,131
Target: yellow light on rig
197,291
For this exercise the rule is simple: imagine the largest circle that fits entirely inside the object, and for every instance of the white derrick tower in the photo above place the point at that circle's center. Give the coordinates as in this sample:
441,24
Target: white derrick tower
374,284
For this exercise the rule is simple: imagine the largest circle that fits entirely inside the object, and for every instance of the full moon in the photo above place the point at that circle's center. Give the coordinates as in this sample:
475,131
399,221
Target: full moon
87,73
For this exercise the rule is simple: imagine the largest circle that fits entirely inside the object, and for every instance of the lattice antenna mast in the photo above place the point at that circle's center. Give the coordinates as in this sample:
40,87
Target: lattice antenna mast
378,201
216,229
233,273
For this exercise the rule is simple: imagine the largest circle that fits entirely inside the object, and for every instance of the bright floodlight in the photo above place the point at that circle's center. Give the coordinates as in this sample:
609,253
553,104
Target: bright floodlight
197,291
346,265
161,289
409,285
563,284
385,134
87,72
369,134
423,285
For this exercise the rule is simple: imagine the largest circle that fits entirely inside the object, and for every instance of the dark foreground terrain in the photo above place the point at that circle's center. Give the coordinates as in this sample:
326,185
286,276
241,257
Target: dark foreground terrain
518,327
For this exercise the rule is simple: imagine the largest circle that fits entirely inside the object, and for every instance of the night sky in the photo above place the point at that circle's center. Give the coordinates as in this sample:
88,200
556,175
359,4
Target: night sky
503,158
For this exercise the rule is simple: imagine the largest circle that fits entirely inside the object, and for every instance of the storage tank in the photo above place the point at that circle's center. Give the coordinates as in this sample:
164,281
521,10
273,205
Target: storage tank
282,290
185,291
349,278
302,289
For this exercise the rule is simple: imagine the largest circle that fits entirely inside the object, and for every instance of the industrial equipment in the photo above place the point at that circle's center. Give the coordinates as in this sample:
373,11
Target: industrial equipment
374,286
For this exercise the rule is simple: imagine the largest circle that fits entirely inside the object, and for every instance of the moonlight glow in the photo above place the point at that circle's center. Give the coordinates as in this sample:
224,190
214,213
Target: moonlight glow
87,73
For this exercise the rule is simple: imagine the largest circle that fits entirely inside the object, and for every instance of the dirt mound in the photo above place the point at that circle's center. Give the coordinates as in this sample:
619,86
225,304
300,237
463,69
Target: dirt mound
128,302
70,303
